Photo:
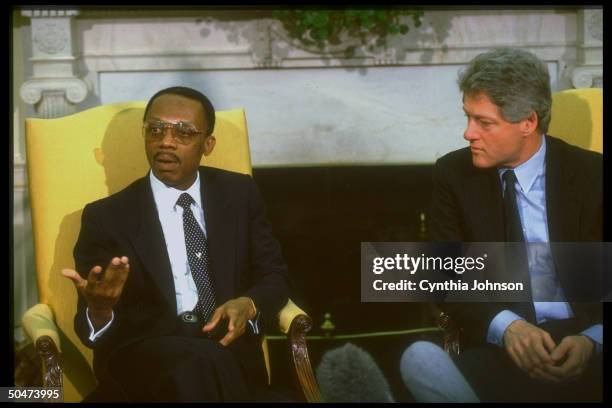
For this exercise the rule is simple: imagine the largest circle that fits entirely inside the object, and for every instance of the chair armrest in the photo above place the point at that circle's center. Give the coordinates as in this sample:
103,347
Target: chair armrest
287,315
38,321
295,323
39,325
451,332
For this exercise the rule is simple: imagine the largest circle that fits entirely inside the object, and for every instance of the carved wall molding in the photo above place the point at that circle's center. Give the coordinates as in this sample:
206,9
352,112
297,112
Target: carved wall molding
32,90
248,58
587,76
54,97
37,13
19,175
51,37
588,71
594,23
53,88
446,37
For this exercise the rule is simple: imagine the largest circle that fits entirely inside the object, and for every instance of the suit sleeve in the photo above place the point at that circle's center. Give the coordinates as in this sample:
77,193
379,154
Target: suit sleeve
93,247
270,290
446,224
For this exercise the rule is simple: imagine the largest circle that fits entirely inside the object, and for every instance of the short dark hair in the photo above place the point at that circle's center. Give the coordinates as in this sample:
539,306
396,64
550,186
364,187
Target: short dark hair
209,109
515,80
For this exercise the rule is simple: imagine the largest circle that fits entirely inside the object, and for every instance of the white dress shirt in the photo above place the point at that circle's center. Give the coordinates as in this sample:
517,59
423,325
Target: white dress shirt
171,219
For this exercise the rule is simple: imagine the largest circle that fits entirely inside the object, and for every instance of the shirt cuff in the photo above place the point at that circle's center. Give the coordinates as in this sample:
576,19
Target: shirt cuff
93,334
595,333
254,324
498,326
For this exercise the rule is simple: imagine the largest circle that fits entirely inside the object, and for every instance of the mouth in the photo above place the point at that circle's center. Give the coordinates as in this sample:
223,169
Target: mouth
166,162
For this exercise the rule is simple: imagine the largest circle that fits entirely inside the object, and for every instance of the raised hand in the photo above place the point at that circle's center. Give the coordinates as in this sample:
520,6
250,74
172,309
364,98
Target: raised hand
102,288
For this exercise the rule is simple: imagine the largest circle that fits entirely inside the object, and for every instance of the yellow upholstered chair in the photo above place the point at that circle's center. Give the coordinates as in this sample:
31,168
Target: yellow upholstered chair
83,157
577,118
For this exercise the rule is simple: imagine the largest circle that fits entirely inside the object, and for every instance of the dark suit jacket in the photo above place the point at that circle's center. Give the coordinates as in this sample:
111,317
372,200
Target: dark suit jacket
245,260
467,206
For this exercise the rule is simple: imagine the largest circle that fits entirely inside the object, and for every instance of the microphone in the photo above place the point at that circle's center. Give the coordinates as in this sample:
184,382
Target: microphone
350,374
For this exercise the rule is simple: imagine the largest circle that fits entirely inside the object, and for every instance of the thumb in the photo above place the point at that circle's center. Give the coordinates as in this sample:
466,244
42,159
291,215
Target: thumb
561,350
549,343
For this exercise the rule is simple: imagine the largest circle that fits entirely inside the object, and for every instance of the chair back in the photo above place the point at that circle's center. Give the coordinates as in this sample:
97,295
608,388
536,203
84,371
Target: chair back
577,117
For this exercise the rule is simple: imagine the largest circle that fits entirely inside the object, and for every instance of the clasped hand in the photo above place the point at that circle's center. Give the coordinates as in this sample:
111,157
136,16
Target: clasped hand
534,351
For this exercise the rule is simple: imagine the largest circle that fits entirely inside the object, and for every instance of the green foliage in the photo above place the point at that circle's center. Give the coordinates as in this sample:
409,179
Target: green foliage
322,27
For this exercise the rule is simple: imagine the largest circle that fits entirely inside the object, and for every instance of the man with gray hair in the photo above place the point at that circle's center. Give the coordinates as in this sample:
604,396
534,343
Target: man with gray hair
515,183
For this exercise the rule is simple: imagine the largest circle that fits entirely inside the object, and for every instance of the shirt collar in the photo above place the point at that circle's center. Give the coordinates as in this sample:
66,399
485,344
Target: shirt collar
527,172
166,196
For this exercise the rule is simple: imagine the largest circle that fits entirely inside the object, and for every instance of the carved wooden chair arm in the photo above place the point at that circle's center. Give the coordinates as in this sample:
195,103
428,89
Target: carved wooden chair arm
39,325
452,333
51,362
295,323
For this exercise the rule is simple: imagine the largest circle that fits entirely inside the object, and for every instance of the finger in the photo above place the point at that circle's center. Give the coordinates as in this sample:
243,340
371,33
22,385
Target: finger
572,364
74,276
229,337
120,272
528,357
235,318
561,350
94,276
212,322
541,354
111,270
549,343
558,372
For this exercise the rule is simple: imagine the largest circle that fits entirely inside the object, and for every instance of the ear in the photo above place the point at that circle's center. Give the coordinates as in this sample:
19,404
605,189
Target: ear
529,124
209,145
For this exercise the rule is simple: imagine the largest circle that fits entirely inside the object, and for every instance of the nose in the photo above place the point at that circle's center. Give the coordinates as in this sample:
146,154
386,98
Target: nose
168,138
470,134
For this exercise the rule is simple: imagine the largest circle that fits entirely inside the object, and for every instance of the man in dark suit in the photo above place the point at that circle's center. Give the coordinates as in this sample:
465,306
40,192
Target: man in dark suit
515,183
179,273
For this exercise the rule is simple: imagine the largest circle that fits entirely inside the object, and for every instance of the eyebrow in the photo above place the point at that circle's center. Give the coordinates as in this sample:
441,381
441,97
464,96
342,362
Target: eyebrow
479,117
156,119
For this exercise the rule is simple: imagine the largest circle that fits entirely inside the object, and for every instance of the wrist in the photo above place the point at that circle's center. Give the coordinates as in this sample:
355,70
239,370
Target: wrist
253,310
587,340
99,317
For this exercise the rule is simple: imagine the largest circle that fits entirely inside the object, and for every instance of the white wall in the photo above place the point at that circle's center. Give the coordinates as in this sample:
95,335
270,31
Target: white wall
310,116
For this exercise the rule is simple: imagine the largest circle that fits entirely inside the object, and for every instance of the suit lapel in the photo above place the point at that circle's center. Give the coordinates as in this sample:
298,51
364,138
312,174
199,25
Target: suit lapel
147,237
484,193
220,231
562,207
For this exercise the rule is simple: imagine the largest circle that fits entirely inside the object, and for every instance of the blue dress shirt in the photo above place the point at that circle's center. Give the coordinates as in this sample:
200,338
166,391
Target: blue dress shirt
531,202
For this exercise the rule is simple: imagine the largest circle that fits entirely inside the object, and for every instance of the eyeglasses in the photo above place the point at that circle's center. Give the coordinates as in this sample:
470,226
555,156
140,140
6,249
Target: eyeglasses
182,133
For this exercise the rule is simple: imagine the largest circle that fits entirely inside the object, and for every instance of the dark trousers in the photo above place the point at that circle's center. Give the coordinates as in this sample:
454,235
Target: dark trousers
184,367
495,378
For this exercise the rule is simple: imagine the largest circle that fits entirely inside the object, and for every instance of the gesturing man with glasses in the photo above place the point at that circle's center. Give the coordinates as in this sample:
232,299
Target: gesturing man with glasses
179,273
